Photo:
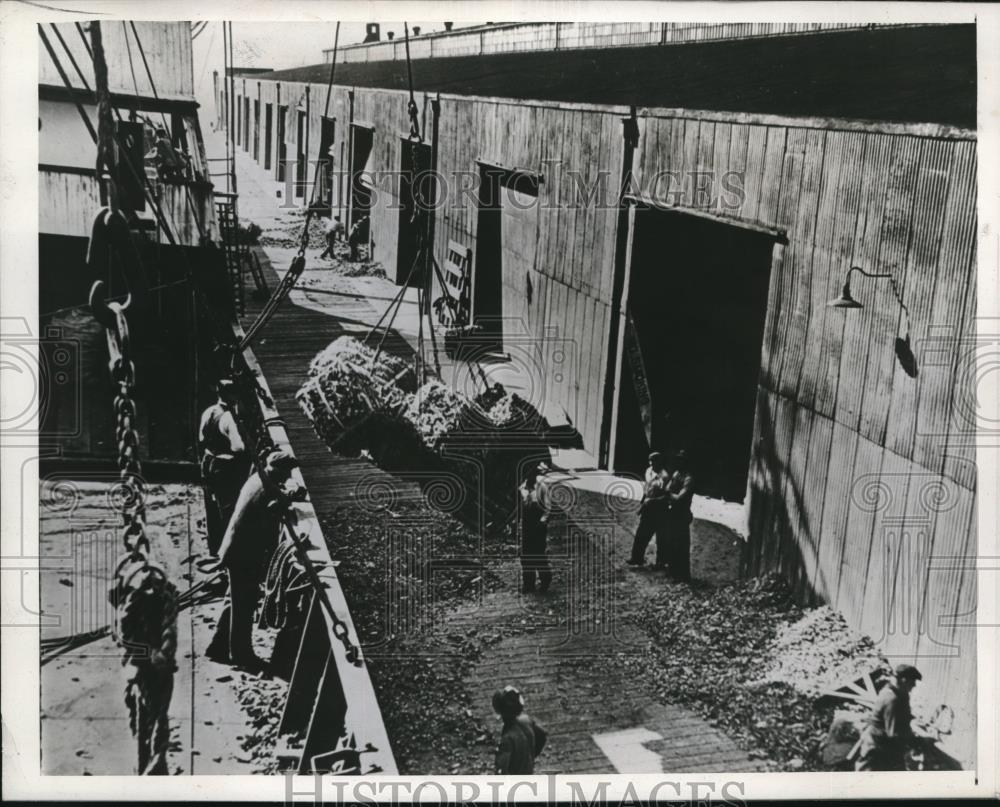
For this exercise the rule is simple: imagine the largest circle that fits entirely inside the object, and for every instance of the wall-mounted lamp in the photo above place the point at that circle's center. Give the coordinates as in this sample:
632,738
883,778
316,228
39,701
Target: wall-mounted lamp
903,350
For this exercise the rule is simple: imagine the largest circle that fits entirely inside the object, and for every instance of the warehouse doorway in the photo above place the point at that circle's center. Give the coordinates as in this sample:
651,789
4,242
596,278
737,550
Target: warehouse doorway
362,138
505,247
282,145
256,131
268,125
414,180
328,129
300,155
691,344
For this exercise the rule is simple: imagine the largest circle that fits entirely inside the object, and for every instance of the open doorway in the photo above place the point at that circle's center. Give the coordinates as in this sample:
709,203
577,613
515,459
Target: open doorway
246,124
362,137
327,133
505,244
300,155
256,130
282,145
414,180
692,338
268,124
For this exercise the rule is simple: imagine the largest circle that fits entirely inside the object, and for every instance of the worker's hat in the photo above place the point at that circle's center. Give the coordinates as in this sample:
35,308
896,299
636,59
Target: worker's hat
225,387
908,671
281,460
655,456
507,699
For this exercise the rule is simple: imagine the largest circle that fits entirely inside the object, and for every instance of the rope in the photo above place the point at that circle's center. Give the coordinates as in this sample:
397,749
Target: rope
281,502
298,262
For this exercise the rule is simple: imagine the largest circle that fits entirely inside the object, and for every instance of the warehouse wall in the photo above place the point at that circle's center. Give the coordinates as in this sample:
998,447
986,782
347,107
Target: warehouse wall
859,473
560,337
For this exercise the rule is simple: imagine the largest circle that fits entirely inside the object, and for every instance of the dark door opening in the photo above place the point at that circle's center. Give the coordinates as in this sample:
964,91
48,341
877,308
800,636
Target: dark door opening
256,130
300,155
415,180
238,123
496,184
697,301
282,145
246,124
361,180
324,194
268,123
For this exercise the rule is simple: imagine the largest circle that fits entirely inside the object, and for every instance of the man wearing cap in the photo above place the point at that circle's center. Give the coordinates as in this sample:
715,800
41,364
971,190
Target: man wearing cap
224,464
534,533
652,509
888,735
169,164
250,539
679,483
522,738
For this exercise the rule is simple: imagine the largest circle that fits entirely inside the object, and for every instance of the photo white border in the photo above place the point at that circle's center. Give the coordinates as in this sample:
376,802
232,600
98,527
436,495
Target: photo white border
18,299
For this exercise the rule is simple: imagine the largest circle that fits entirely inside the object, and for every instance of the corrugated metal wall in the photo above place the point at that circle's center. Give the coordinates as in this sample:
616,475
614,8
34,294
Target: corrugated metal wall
859,473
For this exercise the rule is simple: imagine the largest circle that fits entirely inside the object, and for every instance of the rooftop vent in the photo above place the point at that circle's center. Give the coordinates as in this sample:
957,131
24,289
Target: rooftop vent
416,30
372,32
389,35
447,26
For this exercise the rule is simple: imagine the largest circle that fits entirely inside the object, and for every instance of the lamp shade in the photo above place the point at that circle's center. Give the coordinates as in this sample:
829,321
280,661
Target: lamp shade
845,300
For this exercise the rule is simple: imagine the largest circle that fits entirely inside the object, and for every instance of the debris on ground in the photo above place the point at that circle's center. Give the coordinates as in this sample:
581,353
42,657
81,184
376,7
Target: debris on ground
820,652
416,665
709,647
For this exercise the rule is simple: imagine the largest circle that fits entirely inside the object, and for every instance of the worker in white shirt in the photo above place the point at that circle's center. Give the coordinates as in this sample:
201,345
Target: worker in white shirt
652,511
334,232
224,461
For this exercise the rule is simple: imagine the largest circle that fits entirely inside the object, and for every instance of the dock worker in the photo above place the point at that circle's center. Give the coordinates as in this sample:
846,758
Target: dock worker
169,164
534,519
334,232
358,236
224,461
250,539
522,738
888,735
652,510
678,517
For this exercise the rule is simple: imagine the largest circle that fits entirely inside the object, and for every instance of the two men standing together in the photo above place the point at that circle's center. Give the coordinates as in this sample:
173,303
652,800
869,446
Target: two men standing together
666,512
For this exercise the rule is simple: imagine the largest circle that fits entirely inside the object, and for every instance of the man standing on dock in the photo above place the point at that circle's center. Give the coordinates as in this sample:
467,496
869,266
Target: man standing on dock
334,232
522,739
652,510
250,539
534,534
224,465
678,517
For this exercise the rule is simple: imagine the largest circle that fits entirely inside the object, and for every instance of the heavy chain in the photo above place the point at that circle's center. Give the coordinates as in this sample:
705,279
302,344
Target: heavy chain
145,601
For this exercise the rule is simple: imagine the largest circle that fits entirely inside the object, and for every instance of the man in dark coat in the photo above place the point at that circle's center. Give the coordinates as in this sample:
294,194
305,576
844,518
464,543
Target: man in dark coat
522,738
888,735
678,518
250,539
534,533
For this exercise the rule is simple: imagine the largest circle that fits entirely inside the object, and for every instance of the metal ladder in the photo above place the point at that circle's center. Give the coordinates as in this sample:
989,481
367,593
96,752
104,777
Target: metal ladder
229,230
